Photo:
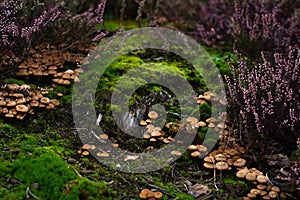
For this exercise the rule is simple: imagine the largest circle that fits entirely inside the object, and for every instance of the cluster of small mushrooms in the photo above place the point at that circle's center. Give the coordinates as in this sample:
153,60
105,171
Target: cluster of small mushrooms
46,60
264,188
150,195
19,100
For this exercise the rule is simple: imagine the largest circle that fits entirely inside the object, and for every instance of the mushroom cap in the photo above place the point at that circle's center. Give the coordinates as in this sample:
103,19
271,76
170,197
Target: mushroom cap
192,119
146,136
158,195
50,106
251,176
273,194
275,188
251,195
153,115
242,173
266,197
209,159
22,108
55,102
261,178
208,165
176,153
239,162
192,147
202,123
196,154
85,153
220,157
156,134
86,146
201,148
143,123
221,165
255,191
261,186
102,154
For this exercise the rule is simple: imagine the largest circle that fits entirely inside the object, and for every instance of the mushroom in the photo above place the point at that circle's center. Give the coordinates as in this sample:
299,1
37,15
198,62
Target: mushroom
220,157
196,154
102,154
153,115
158,195
22,108
208,165
251,176
261,179
273,194
176,153
239,162
192,147
143,123
45,100
222,165
201,148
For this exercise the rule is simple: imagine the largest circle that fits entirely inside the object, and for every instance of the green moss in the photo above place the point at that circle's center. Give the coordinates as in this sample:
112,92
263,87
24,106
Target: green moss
86,189
48,170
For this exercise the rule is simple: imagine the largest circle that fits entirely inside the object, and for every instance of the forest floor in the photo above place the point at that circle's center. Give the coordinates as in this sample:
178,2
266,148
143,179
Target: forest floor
41,156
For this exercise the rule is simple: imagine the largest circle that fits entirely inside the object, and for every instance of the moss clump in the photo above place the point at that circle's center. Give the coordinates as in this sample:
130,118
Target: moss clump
86,189
48,170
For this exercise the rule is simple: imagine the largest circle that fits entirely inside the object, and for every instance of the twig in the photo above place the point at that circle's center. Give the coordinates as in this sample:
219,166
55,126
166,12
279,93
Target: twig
29,193
80,176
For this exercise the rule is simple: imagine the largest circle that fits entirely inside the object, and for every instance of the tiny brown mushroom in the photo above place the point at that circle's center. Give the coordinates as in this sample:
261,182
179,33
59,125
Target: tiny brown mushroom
55,102
201,148
273,194
221,165
22,108
158,195
153,115
251,195
192,147
45,100
208,165
220,157
251,176
261,179
239,162
196,154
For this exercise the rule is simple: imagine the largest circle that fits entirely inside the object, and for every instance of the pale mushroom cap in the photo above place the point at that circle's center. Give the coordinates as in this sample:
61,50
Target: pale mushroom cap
239,162
220,157
192,147
273,194
255,191
209,159
208,165
196,154
22,108
102,154
176,153
251,176
261,179
222,165
156,134
251,195
201,148
152,115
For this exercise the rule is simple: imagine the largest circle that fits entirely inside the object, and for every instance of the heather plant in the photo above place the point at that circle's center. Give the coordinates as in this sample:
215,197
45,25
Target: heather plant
24,24
265,26
264,99
214,25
